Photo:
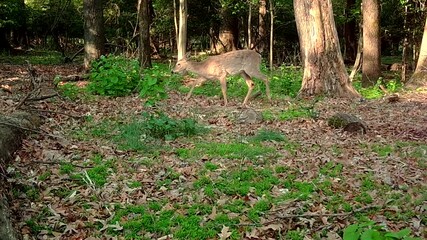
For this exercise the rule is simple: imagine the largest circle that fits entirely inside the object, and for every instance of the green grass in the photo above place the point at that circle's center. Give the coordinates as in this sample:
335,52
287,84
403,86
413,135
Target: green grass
238,182
268,135
375,92
331,169
96,175
235,150
184,222
151,128
35,57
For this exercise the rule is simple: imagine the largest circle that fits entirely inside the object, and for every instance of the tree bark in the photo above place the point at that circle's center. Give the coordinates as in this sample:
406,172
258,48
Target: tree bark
11,134
250,25
228,31
261,25
371,63
182,37
419,78
93,30
144,33
271,7
324,70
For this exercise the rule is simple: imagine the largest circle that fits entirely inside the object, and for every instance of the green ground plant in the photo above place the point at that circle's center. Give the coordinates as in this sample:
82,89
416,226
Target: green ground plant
264,135
138,134
34,57
156,82
97,174
286,81
370,230
70,90
236,150
114,76
375,91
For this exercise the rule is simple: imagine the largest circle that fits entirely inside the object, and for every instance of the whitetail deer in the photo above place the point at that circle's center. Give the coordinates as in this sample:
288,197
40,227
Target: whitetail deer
244,62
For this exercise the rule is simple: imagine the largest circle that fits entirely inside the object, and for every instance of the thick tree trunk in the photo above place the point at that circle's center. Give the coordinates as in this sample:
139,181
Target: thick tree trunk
182,36
4,43
419,78
144,33
324,70
261,25
93,30
371,64
11,134
228,31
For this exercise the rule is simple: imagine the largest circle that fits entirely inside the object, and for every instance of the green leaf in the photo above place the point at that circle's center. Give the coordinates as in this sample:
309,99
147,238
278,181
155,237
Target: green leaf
371,234
350,232
399,235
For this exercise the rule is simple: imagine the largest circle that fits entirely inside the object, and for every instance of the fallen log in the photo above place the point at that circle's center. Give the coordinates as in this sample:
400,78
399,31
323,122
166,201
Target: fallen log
347,122
13,129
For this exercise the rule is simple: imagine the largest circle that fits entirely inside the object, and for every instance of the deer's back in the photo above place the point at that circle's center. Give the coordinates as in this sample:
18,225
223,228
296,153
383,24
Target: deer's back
236,61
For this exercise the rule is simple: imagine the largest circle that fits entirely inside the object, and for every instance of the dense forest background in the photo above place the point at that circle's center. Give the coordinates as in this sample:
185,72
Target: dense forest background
58,25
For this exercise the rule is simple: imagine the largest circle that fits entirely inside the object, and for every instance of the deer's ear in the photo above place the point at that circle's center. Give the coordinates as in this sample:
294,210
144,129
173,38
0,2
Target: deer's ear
187,55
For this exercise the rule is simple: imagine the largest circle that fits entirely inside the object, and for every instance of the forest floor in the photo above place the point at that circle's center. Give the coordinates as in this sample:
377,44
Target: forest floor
111,168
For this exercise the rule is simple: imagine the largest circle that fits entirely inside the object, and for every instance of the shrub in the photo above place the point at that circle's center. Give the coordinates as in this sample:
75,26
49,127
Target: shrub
153,85
114,76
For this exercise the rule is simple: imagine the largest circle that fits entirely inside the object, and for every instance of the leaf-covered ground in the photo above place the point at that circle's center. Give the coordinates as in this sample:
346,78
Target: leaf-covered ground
96,169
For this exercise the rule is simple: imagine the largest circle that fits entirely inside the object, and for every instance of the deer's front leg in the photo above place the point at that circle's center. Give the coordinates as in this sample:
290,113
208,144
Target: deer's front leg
197,82
223,82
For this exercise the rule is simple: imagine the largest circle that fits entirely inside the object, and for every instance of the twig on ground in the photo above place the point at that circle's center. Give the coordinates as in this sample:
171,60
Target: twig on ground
55,112
312,215
43,97
29,129
23,100
54,163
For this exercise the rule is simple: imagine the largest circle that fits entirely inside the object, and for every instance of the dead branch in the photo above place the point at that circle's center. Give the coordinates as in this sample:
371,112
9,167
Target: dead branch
42,97
54,163
313,215
73,78
55,112
23,101
28,129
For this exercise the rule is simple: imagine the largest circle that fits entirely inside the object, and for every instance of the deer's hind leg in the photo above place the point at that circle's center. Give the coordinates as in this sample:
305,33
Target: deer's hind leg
266,82
223,82
250,84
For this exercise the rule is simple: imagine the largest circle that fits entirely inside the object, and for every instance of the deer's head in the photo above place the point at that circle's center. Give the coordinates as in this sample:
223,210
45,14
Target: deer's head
181,66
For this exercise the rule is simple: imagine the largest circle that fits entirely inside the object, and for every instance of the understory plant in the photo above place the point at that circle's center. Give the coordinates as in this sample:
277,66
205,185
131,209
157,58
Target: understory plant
114,76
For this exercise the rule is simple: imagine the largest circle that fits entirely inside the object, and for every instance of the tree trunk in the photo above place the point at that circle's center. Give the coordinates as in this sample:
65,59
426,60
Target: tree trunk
182,37
228,31
271,33
4,43
250,25
175,22
11,135
93,30
419,78
144,33
324,70
350,33
261,25
371,64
